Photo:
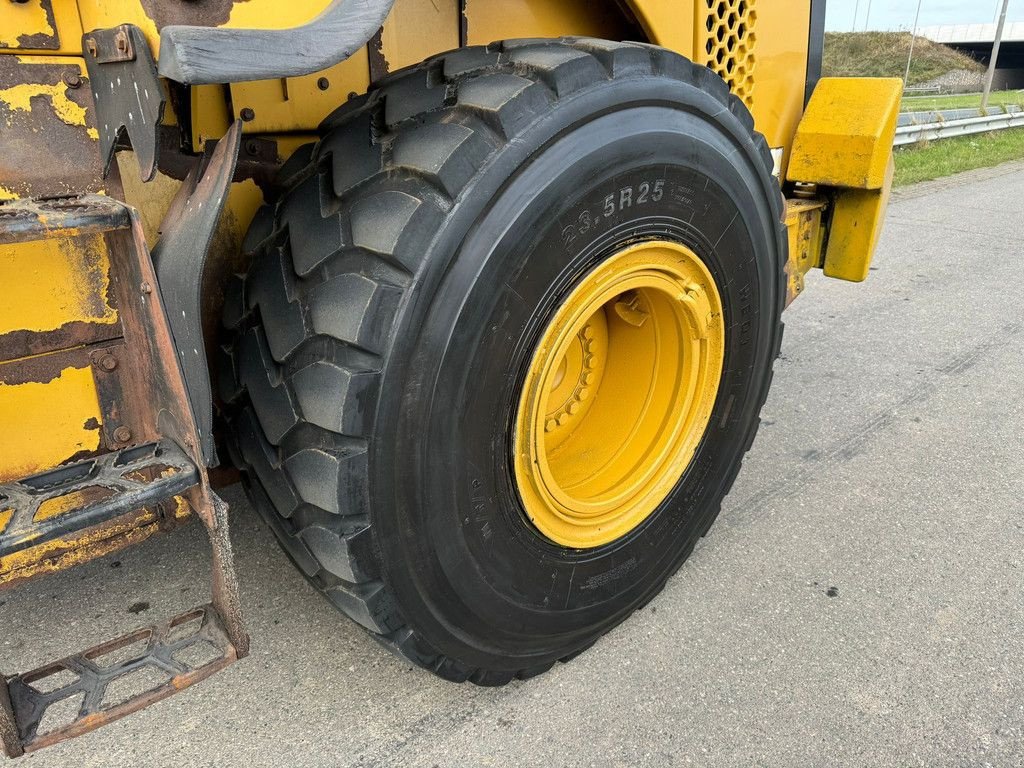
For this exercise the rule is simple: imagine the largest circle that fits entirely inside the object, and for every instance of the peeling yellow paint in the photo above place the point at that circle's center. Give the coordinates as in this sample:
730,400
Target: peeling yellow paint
54,282
46,424
19,98
6,194
5,518
72,501
27,18
60,554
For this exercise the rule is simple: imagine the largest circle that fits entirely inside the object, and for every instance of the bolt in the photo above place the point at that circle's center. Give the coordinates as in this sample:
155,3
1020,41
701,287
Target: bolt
72,79
121,42
549,425
323,83
588,332
108,362
574,408
584,392
122,434
90,45
252,147
247,114
146,288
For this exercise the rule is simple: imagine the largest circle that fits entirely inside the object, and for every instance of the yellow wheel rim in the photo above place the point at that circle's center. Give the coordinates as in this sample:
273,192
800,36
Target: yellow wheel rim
618,394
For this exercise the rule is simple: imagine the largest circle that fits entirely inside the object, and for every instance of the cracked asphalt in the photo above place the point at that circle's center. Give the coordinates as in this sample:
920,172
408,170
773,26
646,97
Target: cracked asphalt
860,601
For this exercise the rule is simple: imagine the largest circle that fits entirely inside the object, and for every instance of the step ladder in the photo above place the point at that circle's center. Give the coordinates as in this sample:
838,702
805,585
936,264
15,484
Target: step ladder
160,468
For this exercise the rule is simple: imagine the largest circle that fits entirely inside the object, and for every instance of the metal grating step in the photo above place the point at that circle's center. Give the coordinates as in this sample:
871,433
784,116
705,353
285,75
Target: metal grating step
79,693
73,497
25,220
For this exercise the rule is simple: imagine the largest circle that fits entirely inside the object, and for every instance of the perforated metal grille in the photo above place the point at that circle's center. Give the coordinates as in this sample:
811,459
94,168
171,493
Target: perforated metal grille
729,43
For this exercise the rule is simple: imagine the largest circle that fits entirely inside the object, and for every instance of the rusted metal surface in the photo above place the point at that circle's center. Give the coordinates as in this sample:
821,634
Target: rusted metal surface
23,221
201,13
165,650
153,390
74,489
39,112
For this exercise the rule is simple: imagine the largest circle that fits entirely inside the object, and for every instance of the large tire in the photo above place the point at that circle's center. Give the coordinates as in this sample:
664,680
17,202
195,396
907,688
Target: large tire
378,342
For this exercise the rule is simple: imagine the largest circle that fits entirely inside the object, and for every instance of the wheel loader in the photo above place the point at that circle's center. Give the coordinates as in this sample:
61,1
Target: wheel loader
479,299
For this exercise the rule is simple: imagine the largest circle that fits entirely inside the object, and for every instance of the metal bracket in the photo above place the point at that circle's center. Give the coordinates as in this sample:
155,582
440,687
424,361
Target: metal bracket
127,92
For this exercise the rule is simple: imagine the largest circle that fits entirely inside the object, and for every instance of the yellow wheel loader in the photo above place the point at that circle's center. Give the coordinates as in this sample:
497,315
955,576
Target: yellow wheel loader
479,297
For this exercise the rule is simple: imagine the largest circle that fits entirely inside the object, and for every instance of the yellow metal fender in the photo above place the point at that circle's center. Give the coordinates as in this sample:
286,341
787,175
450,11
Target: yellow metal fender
844,144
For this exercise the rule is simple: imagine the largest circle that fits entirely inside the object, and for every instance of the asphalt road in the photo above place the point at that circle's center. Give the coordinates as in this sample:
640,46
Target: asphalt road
859,602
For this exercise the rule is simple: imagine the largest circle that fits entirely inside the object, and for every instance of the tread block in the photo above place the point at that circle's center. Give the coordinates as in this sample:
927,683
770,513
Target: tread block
369,604
335,397
295,166
291,543
333,480
465,61
618,59
260,229
354,154
354,309
235,309
380,220
448,152
270,288
341,556
312,237
262,458
273,403
412,94
505,101
564,69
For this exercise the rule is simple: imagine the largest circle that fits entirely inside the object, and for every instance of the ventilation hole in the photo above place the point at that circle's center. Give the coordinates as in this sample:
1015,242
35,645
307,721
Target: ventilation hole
198,654
61,713
51,679
132,684
185,626
135,646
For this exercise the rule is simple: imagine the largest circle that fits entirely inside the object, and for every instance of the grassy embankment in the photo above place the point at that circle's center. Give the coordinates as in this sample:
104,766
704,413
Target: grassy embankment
884,54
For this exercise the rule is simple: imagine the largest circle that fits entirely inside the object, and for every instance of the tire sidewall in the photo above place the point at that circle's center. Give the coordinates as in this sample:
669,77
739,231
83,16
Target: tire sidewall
468,570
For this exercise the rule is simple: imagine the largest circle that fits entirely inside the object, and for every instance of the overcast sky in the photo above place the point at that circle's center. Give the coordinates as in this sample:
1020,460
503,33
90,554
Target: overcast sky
899,14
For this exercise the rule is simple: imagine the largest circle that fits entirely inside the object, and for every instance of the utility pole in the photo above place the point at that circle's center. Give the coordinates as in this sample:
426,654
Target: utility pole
856,9
913,39
995,56
867,16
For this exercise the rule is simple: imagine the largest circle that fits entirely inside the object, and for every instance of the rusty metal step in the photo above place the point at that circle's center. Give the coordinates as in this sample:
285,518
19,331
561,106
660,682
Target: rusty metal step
72,497
26,220
79,693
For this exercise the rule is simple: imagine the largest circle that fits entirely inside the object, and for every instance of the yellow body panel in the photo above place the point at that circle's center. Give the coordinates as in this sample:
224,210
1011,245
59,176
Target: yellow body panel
46,423
299,103
50,283
856,226
41,26
845,136
415,30
490,20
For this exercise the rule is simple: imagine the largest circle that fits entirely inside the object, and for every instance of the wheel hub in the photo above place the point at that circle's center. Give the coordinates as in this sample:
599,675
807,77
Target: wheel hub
618,394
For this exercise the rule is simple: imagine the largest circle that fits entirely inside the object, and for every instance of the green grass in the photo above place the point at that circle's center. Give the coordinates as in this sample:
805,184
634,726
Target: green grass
884,54
929,103
965,153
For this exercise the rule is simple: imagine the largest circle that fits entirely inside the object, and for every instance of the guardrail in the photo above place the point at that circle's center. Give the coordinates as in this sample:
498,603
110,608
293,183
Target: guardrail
911,134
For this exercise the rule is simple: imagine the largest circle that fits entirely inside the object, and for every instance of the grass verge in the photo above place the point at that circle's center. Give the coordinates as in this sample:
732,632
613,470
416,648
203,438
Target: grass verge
948,156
